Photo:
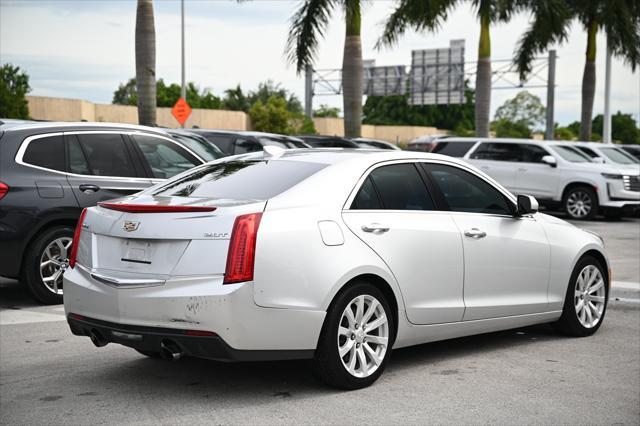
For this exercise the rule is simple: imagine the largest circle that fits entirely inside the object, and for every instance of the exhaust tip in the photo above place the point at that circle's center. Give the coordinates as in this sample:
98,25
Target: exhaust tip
97,338
170,350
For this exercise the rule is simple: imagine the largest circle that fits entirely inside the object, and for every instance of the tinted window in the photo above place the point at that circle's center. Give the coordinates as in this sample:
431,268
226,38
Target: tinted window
165,158
453,149
284,143
199,145
618,156
240,180
243,146
107,154
46,152
401,188
465,192
571,154
532,153
77,161
225,143
587,151
497,152
367,198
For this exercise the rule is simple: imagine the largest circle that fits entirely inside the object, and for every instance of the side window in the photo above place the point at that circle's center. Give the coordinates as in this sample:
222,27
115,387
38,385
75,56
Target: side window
497,152
367,198
400,187
225,143
77,160
47,152
107,154
533,153
243,146
591,153
452,149
465,192
165,158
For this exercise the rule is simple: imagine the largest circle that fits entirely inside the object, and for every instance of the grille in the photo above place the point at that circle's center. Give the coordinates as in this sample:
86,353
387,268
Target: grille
632,183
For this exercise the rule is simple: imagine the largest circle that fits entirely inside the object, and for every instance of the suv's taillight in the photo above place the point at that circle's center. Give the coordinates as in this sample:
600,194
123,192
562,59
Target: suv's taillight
76,240
242,249
4,188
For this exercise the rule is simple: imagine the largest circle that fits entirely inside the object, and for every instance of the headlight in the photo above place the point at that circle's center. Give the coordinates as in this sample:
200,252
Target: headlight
612,176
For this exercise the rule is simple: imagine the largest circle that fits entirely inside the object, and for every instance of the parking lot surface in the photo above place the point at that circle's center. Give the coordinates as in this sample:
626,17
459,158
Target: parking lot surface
530,375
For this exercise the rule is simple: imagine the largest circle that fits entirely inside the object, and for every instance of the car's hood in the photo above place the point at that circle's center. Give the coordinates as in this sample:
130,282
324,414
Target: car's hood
606,168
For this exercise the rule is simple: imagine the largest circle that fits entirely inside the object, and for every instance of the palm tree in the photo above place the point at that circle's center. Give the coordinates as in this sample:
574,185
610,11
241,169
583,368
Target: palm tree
146,63
429,15
307,26
551,21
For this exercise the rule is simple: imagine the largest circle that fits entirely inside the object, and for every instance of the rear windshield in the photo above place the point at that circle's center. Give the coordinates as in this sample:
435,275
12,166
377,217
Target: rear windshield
239,180
453,149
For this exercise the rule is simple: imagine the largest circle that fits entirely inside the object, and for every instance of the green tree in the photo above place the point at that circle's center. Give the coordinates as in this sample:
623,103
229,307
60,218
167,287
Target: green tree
623,128
524,108
126,94
429,15
326,111
146,63
564,133
236,100
168,95
14,86
271,116
308,25
551,23
510,129
269,89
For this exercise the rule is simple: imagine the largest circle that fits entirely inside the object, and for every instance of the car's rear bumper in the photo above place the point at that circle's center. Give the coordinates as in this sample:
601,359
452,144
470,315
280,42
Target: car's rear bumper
194,303
152,338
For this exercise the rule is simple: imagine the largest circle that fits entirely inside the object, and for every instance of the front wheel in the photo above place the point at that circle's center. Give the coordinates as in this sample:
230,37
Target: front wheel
356,339
581,202
586,299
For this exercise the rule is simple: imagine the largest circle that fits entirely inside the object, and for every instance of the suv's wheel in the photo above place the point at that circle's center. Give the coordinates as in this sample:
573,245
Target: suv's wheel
43,263
586,299
581,202
356,339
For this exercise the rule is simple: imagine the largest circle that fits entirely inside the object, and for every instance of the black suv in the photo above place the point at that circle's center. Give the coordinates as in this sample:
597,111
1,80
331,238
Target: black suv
329,142
232,143
50,171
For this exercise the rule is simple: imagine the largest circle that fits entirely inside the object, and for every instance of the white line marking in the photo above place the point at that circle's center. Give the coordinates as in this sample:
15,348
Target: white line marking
626,285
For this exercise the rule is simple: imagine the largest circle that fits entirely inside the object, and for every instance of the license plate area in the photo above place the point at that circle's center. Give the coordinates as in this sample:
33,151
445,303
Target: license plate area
138,251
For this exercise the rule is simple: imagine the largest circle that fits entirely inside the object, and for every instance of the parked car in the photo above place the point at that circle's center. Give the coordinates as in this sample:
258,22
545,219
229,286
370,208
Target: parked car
334,255
607,153
329,142
632,149
556,173
197,143
374,143
50,171
424,143
231,142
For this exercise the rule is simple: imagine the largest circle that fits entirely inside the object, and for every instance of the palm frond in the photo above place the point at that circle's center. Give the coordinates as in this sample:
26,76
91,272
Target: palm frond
621,22
308,24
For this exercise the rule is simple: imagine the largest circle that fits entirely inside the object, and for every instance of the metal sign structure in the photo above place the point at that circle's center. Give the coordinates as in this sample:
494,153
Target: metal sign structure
385,81
437,75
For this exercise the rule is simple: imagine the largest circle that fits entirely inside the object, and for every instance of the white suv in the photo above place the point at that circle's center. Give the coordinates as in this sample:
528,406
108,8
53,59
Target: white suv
553,172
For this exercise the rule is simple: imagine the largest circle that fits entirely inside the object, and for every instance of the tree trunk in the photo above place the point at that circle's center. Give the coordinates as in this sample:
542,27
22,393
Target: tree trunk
588,83
146,63
483,80
352,72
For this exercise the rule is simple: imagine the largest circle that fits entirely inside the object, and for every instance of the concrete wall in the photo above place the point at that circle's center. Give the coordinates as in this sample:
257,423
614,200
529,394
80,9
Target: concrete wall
61,109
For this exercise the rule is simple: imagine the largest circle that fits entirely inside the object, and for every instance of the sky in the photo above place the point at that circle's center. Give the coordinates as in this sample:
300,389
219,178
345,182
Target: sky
85,48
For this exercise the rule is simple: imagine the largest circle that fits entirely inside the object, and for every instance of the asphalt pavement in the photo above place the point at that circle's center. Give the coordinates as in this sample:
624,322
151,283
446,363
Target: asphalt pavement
525,376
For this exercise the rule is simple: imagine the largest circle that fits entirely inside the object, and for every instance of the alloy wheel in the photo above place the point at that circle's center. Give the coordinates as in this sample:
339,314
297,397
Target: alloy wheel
579,204
53,262
363,336
589,296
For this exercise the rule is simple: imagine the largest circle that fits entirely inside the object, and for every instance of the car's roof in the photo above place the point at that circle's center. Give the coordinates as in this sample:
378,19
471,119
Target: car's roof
71,126
251,133
596,145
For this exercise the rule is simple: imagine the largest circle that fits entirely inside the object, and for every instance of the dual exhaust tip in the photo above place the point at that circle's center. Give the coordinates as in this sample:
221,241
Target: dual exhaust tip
169,349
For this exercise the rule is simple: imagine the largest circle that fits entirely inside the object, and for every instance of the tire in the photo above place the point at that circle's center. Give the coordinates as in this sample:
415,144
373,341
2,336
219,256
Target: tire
580,203
328,366
36,254
150,354
570,323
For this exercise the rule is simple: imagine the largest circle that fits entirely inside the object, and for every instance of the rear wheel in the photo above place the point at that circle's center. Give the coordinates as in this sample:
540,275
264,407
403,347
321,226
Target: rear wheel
356,339
45,261
586,299
581,202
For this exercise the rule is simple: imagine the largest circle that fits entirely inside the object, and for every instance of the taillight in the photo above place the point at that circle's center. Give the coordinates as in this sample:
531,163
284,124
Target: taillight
154,208
76,240
242,249
4,188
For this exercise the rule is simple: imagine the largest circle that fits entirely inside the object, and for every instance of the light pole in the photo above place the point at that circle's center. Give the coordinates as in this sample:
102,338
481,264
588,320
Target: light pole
183,91
606,119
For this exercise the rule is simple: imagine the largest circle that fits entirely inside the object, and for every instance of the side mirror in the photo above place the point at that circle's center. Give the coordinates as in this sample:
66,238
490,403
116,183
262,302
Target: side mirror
597,160
526,205
550,160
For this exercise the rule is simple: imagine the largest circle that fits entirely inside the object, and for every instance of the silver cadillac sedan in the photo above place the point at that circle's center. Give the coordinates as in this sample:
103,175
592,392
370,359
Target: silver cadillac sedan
334,255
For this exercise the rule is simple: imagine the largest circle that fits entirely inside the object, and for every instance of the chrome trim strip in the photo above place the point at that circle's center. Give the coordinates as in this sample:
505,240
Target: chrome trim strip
121,282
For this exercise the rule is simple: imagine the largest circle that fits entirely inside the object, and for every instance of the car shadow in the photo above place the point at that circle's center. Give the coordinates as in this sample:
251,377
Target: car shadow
14,295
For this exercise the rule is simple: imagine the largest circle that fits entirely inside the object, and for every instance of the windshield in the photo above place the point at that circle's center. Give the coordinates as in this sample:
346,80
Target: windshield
285,143
200,146
618,156
570,154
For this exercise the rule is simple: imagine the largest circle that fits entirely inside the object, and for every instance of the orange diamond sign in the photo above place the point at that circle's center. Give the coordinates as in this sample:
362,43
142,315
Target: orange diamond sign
181,111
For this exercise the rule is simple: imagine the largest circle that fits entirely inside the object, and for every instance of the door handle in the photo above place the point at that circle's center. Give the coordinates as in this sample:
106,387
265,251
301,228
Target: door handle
89,189
475,233
375,228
